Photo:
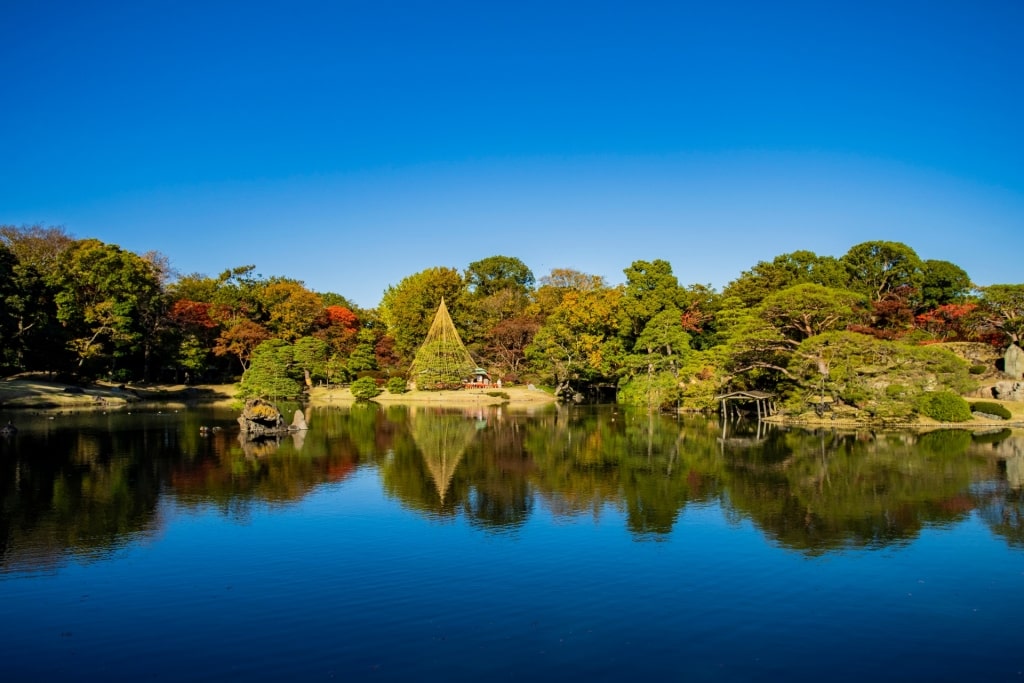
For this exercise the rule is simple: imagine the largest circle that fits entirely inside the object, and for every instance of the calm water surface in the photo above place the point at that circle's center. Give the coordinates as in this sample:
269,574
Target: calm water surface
571,543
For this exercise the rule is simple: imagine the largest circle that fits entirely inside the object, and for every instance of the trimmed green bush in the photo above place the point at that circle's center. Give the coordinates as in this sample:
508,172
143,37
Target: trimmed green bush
977,369
499,394
991,409
944,406
365,388
397,385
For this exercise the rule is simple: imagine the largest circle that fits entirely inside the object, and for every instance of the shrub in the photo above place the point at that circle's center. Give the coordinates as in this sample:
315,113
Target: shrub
661,392
991,409
977,369
499,394
944,406
365,388
896,390
890,411
397,385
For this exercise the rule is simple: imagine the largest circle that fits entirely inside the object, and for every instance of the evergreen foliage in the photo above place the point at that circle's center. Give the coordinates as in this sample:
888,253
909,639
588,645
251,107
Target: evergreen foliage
397,385
271,373
881,377
365,388
944,406
991,408
656,390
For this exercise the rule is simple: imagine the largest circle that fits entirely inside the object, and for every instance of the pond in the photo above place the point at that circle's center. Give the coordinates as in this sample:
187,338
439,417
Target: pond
397,543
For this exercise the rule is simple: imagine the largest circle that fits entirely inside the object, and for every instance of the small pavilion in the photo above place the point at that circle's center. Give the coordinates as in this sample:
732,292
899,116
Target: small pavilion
480,379
764,402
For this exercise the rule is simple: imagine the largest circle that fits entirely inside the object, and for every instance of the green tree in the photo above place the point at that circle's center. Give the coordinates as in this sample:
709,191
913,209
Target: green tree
786,270
763,340
239,294
10,292
271,374
1002,310
334,299
362,357
650,289
311,356
807,310
497,273
943,283
499,289
36,246
578,343
194,287
102,293
365,388
654,365
878,268
30,336
701,304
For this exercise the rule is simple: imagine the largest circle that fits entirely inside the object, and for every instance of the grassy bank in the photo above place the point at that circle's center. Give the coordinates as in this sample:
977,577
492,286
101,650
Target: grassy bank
33,392
518,397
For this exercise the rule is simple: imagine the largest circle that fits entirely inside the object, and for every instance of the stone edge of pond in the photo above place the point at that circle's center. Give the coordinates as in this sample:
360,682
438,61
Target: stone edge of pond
917,426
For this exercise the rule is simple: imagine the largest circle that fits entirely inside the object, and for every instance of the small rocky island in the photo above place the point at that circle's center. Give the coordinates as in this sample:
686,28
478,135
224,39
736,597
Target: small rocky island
261,419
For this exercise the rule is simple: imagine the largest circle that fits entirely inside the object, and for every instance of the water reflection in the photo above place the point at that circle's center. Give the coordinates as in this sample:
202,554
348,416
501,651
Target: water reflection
84,486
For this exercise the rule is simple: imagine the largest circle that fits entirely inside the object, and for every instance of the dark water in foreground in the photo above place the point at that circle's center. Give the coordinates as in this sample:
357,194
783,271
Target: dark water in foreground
582,543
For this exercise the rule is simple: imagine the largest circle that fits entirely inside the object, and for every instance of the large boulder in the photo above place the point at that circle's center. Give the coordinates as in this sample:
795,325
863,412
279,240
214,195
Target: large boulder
1008,391
1013,362
261,418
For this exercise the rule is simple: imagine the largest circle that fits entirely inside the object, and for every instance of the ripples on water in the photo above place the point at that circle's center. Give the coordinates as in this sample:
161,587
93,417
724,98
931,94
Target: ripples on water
407,544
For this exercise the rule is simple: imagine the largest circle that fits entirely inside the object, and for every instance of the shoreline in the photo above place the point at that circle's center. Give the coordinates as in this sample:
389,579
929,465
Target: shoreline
896,426
30,393
518,397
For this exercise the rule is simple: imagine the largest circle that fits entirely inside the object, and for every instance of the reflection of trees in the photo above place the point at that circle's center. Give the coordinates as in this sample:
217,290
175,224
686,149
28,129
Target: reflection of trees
73,492
85,485
1000,501
233,474
649,464
1002,509
406,473
442,439
821,491
452,461
498,467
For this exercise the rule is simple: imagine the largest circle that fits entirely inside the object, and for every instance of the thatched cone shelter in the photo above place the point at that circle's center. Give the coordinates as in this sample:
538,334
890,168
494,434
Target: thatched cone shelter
442,439
442,362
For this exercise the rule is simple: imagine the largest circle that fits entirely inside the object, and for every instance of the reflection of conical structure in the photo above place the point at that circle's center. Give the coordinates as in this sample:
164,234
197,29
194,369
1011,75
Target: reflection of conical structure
442,439
442,361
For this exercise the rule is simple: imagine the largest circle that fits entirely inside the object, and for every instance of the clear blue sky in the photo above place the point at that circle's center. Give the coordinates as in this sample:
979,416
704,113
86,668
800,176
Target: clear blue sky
350,144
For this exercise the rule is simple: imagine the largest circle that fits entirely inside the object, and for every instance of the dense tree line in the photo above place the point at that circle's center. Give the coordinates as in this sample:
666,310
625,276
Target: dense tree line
93,310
